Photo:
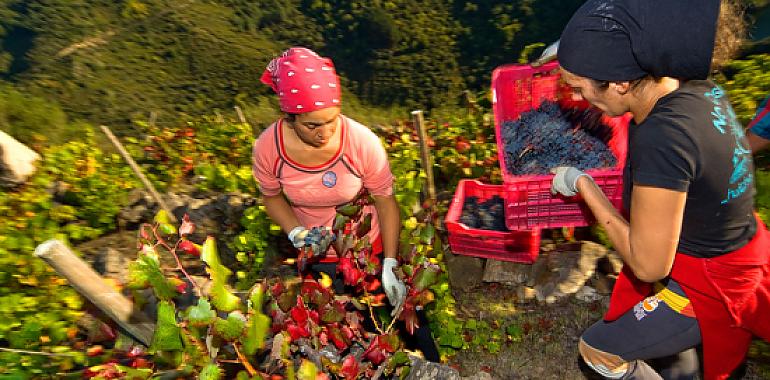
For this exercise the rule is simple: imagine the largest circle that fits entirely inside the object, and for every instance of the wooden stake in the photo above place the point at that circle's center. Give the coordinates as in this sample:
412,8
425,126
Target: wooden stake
138,173
240,114
92,286
425,160
153,118
243,120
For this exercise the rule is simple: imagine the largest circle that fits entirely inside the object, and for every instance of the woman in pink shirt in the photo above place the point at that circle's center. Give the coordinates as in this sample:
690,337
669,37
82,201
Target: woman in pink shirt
315,158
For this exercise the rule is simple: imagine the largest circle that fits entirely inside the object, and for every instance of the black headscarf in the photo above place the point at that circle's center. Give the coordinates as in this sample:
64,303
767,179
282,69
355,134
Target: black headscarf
618,40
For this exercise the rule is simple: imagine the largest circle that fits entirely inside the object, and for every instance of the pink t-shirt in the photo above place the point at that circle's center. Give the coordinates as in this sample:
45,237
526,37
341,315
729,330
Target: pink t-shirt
314,191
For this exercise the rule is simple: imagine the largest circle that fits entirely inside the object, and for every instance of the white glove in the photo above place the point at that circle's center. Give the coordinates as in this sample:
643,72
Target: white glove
565,180
549,54
297,236
394,288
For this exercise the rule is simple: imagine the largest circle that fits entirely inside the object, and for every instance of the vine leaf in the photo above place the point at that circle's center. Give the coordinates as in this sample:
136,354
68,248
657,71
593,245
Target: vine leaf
201,314
221,297
167,333
145,271
210,372
187,227
307,371
426,276
164,223
231,329
258,324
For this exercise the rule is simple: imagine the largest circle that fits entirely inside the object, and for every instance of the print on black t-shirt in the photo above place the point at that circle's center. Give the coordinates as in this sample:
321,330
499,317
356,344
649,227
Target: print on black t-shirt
741,178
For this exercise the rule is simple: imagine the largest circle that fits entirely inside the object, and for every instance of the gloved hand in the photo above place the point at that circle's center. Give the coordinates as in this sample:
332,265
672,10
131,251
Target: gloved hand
318,238
565,180
548,55
394,288
297,236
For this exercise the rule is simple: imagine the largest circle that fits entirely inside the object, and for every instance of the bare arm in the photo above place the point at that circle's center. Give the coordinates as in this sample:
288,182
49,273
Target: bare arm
648,245
279,210
389,216
756,143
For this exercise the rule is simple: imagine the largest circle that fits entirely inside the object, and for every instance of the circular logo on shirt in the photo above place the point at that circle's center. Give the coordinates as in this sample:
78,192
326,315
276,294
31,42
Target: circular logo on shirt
329,179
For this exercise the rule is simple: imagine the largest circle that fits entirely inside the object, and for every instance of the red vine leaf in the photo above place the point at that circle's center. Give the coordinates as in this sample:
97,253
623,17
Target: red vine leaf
350,367
187,226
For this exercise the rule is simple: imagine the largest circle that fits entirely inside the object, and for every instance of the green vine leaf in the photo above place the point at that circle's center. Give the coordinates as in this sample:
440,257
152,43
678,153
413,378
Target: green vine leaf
232,328
210,372
145,271
307,371
167,332
221,297
164,223
201,314
426,276
256,331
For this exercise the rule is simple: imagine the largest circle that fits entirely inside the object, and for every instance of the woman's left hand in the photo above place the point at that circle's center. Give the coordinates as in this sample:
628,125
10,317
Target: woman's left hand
565,180
394,288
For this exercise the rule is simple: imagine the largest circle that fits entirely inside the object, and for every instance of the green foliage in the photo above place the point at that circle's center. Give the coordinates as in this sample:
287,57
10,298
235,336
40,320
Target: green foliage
167,332
254,244
29,118
201,314
92,186
747,82
145,272
231,328
160,55
383,64
762,200
221,297
494,33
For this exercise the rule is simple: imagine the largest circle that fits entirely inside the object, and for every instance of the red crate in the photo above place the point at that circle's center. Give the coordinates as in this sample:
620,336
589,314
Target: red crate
517,246
528,201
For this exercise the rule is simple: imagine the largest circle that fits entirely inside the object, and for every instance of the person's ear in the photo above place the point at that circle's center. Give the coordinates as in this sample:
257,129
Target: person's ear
621,88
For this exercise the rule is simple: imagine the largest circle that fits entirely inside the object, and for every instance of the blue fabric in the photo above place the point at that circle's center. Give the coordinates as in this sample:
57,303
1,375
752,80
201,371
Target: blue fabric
761,121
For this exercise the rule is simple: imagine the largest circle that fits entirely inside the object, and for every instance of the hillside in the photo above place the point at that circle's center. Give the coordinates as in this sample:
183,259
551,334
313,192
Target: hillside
111,61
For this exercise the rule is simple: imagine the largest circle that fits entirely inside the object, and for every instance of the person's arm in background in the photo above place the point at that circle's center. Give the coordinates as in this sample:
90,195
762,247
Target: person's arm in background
389,216
756,143
758,130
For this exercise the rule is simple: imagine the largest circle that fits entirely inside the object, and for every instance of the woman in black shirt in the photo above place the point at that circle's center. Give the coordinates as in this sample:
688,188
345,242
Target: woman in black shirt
694,252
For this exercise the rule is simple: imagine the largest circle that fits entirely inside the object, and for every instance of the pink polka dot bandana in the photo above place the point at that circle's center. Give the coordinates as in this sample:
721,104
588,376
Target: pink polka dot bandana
303,80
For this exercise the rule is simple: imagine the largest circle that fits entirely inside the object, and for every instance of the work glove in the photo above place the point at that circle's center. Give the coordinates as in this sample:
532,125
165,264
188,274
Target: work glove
565,180
297,236
317,238
394,288
548,55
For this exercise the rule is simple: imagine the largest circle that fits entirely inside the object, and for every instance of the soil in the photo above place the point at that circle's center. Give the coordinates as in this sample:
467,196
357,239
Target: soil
548,346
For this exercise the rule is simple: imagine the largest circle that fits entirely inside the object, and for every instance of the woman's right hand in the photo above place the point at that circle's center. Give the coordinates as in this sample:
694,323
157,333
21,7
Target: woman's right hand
565,180
318,238
297,236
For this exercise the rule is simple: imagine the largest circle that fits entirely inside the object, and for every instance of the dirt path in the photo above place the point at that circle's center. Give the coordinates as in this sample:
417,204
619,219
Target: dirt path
547,346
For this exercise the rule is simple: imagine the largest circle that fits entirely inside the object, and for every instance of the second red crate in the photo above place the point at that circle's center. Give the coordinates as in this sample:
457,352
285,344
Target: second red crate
517,246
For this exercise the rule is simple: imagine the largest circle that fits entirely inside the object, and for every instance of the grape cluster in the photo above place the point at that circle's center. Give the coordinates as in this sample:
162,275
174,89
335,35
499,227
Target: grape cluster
550,136
487,215
319,238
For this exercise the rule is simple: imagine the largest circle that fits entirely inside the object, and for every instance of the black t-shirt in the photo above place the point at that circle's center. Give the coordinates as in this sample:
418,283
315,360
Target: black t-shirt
692,142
